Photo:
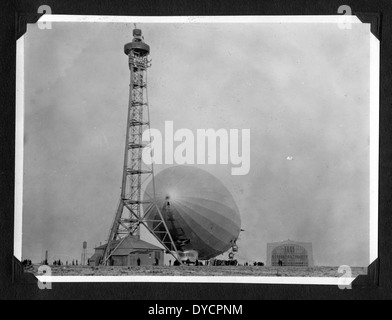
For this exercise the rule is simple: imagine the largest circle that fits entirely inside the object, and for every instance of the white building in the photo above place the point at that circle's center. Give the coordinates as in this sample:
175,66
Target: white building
290,253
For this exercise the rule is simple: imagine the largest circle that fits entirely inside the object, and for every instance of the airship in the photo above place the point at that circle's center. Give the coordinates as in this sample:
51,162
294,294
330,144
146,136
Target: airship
199,211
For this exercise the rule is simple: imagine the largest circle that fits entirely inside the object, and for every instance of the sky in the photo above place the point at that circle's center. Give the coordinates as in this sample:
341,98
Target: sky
301,89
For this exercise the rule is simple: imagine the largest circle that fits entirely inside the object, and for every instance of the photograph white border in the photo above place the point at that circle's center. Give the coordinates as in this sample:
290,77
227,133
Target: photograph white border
374,144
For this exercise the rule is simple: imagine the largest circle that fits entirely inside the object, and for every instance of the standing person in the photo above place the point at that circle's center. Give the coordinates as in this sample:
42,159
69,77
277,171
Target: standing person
169,262
138,261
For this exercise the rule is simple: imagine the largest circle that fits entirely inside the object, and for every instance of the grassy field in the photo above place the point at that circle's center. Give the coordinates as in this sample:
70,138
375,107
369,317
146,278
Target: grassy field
217,271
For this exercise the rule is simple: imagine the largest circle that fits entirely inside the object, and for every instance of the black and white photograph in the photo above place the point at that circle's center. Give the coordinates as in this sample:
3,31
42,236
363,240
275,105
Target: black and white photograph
197,149
192,157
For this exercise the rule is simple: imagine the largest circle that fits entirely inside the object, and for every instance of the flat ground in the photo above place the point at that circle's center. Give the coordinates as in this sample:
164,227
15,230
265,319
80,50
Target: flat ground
256,271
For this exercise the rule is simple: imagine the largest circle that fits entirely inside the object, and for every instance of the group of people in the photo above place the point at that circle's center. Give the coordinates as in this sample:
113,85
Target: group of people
188,262
60,263
27,263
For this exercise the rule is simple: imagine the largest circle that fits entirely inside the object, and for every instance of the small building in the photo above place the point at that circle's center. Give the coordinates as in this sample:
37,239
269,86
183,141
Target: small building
290,253
130,251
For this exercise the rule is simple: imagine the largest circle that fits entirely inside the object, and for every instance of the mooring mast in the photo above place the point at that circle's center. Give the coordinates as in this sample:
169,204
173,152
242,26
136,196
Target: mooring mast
130,214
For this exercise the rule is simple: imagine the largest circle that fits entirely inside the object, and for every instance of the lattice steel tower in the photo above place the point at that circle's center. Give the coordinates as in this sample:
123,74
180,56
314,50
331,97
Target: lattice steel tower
130,214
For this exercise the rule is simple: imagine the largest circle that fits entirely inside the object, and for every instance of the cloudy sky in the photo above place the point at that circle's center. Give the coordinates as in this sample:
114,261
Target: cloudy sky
302,90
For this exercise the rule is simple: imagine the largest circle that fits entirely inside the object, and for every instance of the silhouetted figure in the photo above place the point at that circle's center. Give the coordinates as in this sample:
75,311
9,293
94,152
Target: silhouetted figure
76,262
169,262
73,262
156,261
138,261
280,263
